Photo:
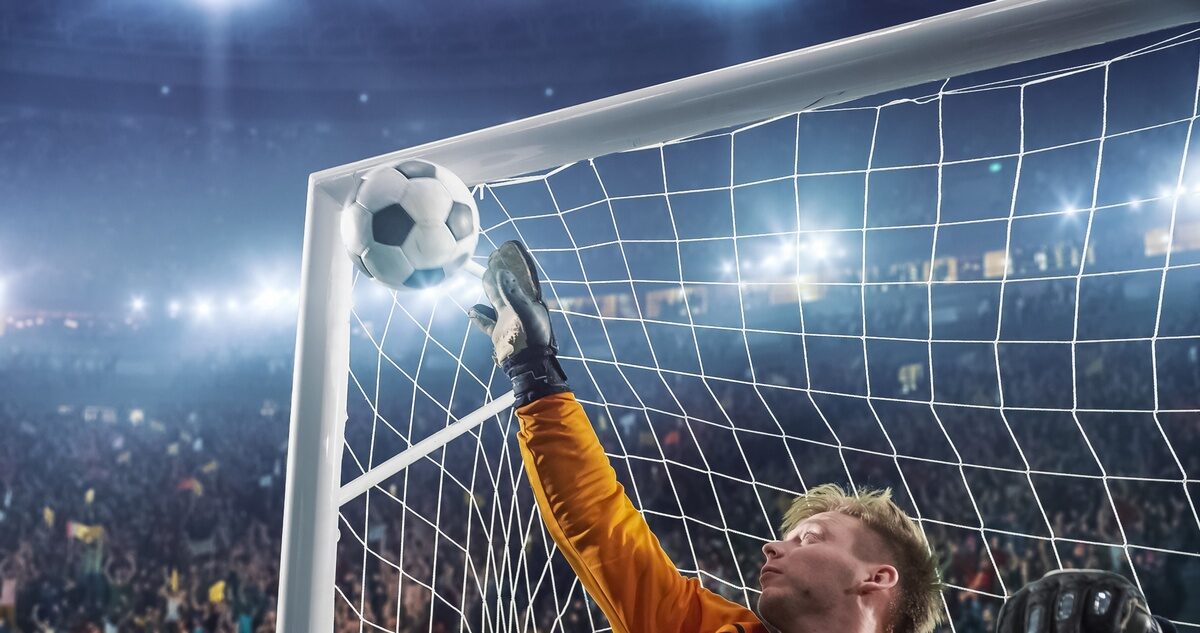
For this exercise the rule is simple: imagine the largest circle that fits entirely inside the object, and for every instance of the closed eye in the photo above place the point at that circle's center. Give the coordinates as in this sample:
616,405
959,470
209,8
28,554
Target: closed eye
808,537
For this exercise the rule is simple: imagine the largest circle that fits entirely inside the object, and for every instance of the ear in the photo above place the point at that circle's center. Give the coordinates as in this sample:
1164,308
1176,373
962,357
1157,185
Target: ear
882,578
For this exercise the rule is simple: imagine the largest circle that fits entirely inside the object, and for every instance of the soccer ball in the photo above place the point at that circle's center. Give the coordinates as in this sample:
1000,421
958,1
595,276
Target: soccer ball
411,225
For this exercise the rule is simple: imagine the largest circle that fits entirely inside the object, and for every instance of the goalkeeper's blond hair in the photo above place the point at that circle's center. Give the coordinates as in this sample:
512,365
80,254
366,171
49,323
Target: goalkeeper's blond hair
918,602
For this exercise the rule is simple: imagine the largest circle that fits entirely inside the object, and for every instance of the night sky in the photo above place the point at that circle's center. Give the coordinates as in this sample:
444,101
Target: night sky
161,149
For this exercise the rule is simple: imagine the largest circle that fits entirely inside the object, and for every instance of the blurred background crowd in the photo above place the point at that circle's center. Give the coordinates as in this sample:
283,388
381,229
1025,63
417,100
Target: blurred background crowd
167,516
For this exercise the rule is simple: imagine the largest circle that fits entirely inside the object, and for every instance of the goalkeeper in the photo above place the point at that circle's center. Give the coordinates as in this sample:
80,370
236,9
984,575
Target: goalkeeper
846,563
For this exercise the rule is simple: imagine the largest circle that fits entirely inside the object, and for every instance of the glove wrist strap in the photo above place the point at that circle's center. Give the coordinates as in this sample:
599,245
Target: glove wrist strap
535,373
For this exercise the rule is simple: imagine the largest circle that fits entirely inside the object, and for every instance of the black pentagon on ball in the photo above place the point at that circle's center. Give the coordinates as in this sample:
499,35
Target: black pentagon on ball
459,221
425,277
416,169
391,225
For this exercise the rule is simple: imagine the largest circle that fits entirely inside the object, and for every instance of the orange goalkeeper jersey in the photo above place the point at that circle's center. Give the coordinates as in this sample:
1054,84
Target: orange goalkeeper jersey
607,542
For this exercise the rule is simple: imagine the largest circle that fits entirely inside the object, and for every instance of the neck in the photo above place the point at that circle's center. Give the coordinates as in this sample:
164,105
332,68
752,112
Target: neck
852,619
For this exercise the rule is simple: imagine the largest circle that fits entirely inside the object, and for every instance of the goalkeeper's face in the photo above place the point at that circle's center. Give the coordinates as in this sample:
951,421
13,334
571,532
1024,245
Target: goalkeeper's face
829,566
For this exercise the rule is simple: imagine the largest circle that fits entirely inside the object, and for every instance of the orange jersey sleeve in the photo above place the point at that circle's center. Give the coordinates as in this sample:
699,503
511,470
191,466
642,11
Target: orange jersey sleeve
602,536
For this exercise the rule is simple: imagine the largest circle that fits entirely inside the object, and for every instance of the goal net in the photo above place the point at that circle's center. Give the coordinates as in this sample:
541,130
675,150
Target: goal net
982,292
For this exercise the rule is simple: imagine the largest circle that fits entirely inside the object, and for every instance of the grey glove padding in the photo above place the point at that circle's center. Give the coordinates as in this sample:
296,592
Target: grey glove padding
518,322
1078,601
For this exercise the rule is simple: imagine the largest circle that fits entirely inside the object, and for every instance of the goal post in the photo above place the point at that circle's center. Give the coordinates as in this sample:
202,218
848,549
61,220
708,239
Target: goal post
979,38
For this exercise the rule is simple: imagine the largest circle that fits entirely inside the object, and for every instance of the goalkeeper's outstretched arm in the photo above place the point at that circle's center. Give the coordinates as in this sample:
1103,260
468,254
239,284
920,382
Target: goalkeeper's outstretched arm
601,534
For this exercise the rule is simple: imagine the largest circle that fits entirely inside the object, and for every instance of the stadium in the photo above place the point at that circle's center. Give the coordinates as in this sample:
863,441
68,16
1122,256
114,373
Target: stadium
949,250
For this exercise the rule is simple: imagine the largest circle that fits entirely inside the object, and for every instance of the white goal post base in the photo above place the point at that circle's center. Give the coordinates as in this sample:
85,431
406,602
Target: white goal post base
962,42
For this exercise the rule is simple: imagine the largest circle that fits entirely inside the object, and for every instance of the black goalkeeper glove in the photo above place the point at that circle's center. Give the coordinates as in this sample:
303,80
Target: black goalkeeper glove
518,323
1079,601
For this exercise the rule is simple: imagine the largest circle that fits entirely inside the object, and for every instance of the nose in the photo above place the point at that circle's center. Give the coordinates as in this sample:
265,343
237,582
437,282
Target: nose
771,549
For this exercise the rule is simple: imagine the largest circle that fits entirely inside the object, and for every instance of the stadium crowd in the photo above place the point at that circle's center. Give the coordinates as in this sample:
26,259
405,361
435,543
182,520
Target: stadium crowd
168,518
159,523
115,519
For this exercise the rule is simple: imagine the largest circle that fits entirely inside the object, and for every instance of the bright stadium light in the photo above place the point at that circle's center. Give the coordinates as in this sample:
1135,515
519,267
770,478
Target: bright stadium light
267,298
819,248
138,304
203,309
174,308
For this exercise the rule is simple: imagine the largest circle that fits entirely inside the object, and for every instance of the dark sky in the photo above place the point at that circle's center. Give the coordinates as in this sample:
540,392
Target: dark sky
160,148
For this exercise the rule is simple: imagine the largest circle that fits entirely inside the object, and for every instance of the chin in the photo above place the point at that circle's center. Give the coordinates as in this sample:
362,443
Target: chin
768,607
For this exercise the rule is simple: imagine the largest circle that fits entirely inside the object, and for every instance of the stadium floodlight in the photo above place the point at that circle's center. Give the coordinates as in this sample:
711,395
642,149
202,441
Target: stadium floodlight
265,300
138,304
174,307
819,248
401,437
203,309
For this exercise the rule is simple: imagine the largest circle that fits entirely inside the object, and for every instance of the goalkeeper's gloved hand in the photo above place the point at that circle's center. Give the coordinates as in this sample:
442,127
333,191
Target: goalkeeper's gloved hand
1079,601
518,323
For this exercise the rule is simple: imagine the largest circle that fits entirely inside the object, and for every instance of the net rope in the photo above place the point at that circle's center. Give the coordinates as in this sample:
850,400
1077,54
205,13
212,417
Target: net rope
734,346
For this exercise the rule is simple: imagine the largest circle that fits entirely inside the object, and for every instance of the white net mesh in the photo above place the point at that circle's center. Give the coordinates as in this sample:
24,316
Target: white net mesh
986,298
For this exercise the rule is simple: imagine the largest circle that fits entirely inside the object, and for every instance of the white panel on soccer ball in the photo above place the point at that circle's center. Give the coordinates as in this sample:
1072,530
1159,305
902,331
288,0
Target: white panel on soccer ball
455,186
462,252
356,228
381,187
388,264
429,246
426,200
468,244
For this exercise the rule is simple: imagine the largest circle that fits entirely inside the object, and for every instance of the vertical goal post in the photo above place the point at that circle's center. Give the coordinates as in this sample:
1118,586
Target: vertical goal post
962,42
